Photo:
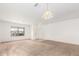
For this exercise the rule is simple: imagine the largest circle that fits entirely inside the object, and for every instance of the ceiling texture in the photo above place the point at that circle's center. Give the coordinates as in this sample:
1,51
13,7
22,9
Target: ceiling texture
27,13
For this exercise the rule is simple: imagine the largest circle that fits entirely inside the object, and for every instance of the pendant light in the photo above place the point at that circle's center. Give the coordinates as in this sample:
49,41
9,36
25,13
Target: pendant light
47,14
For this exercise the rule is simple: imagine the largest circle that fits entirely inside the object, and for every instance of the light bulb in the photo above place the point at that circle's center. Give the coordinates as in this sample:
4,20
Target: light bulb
47,15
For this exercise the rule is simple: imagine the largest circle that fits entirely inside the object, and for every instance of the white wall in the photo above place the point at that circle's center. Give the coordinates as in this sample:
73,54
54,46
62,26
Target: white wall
65,31
5,28
35,29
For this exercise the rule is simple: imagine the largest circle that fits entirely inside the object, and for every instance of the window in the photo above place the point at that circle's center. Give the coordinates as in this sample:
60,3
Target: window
17,31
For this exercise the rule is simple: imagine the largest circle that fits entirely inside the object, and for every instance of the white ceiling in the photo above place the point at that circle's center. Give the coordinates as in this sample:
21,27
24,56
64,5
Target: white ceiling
28,14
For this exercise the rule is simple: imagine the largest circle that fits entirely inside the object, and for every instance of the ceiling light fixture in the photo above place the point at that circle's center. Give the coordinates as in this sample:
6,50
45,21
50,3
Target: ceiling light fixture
47,14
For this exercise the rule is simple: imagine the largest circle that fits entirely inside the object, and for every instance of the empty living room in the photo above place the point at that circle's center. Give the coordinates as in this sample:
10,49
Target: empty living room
39,29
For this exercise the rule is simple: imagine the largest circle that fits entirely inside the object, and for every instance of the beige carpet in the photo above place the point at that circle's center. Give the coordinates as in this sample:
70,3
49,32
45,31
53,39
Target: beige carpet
38,48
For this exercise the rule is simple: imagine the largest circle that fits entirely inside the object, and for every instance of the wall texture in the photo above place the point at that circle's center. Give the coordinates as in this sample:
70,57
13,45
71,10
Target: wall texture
5,28
65,31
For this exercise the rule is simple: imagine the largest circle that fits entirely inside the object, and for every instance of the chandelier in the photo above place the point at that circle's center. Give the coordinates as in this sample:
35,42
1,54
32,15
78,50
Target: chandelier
47,14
